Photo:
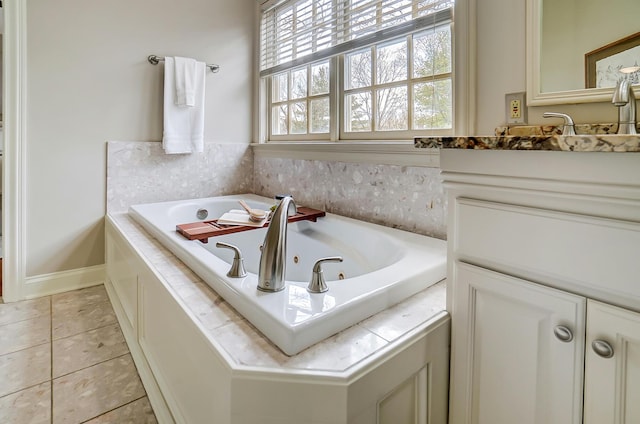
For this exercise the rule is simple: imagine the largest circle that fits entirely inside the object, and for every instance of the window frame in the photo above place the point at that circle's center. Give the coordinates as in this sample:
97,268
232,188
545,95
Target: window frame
381,150
409,82
309,136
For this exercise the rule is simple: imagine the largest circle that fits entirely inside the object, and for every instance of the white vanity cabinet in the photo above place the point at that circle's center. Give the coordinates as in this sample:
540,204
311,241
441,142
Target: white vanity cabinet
511,367
543,262
612,383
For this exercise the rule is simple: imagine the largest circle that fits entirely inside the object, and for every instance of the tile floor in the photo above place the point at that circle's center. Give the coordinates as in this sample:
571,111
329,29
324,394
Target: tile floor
63,359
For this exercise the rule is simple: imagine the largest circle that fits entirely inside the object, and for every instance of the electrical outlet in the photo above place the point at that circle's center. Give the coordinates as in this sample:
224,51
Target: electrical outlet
516,108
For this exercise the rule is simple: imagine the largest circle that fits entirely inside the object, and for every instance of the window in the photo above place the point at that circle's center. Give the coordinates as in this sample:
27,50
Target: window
300,100
357,69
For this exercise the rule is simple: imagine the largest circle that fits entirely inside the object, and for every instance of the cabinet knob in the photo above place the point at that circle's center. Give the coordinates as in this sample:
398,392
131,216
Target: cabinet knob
563,333
602,348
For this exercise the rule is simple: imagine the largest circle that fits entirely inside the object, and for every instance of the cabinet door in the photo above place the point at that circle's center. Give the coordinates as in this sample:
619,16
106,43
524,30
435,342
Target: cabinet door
509,366
612,383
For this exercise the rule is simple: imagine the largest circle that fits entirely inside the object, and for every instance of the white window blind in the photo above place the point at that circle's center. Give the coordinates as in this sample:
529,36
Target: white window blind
297,32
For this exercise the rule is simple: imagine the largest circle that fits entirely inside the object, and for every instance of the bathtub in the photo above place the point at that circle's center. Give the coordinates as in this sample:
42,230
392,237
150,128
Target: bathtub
382,266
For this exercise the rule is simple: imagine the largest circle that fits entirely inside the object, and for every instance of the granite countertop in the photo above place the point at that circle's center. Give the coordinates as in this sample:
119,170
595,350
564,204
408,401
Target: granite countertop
577,143
248,347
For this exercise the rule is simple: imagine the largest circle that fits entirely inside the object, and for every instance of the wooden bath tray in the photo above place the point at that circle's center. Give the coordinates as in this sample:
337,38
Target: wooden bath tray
205,229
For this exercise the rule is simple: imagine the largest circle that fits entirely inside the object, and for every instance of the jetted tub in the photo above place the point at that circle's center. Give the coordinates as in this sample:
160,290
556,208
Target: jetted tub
382,266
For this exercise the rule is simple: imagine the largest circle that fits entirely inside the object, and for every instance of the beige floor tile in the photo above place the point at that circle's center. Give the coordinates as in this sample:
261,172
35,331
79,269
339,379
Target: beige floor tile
86,349
79,318
79,298
25,368
23,334
26,309
90,392
32,406
137,412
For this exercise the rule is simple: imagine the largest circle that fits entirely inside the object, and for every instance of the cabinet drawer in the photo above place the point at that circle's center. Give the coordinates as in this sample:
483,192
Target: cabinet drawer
565,249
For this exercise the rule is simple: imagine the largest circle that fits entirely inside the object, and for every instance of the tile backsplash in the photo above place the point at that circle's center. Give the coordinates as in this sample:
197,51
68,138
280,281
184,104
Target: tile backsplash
140,172
406,197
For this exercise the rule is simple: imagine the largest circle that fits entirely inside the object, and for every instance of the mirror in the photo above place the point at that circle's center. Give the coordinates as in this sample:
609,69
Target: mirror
566,39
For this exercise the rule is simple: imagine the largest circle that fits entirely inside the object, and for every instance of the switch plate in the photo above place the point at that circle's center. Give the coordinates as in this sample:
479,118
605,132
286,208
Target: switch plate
516,108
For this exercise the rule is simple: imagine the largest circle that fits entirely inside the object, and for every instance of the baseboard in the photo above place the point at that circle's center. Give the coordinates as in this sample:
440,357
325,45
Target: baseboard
59,282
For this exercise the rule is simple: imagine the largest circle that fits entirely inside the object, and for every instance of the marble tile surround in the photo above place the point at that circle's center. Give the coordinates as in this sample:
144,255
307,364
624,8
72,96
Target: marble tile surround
404,197
140,172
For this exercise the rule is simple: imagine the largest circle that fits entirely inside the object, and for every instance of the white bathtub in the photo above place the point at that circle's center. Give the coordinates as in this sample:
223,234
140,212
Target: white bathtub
381,267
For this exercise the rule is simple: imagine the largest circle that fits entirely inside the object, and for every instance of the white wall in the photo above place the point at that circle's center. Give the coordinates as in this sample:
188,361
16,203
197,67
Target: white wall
88,82
501,69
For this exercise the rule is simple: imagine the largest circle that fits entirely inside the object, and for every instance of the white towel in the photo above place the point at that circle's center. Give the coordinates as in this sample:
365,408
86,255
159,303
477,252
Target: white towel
239,217
185,74
183,126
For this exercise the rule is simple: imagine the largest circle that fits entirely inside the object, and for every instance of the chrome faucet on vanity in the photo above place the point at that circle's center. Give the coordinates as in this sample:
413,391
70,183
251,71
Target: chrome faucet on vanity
273,259
625,100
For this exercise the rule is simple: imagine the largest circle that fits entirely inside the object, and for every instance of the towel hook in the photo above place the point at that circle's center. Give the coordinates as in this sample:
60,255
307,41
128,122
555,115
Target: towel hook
154,60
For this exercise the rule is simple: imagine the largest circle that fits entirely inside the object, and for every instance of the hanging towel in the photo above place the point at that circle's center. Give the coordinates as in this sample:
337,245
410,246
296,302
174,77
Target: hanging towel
185,74
183,125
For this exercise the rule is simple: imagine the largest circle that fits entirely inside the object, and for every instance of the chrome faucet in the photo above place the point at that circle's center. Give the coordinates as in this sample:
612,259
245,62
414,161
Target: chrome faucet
273,259
625,100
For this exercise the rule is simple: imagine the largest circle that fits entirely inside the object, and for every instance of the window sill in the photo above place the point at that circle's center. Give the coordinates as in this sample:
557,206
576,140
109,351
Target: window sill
387,153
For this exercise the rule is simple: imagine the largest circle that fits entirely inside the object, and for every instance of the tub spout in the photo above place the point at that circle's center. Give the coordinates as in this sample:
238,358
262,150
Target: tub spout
274,249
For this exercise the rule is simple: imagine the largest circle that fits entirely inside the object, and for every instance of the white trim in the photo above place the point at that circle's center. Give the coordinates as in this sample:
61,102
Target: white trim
535,96
403,154
464,67
15,128
63,281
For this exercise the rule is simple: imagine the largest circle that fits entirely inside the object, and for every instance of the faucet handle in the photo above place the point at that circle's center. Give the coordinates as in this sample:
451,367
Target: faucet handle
237,268
568,128
317,284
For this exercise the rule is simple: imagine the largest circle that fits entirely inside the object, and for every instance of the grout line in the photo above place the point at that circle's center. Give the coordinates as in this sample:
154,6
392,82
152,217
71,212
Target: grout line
115,321
24,348
88,331
117,407
23,320
25,388
93,365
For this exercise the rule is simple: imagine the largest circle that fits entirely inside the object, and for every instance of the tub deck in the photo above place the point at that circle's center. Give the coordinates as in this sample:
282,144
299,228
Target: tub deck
382,266
246,347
